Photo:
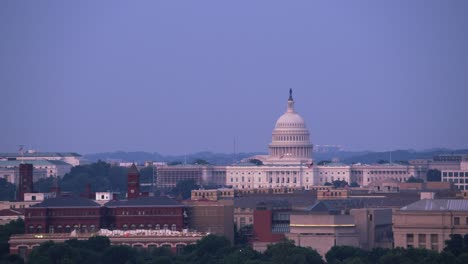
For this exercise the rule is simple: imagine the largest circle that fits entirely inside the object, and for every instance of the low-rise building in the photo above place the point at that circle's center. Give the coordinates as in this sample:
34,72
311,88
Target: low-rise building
71,158
321,228
214,217
429,223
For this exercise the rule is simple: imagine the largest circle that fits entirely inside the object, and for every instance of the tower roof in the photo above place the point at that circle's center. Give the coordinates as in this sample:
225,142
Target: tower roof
133,169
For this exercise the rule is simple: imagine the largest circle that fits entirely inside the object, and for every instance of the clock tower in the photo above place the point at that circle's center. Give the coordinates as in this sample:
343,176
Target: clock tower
133,182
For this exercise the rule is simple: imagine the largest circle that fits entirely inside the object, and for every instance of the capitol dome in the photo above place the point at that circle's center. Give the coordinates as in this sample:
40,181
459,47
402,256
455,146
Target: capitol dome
290,137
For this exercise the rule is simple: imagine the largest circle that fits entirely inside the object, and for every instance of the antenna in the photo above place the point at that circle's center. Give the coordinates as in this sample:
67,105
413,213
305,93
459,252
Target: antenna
234,146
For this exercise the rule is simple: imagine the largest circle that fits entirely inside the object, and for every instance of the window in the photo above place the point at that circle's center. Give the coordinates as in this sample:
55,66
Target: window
409,240
173,227
422,240
157,227
456,220
165,226
434,242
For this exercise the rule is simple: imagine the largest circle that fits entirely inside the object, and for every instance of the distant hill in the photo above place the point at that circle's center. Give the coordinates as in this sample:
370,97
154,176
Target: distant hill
400,155
140,157
347,157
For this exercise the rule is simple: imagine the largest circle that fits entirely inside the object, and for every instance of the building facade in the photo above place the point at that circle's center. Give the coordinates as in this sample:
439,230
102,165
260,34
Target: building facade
429,223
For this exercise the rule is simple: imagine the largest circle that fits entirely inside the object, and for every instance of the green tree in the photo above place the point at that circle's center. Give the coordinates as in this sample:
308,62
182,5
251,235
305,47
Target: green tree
119,255
323,162
242,236
7,190
45,184
13,227
455,245
184,188
200,162
286,252
210,249
434,175
341,253
243,254
101,175
256,162
174,163
414,180
146,174
339,184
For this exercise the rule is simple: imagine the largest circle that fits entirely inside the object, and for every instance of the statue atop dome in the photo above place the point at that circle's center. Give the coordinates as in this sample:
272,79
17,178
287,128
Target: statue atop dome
290,95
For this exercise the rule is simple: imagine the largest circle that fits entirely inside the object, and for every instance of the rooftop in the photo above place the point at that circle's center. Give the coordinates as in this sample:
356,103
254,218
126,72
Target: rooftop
146,201
437,205
39,154
66,201
16,163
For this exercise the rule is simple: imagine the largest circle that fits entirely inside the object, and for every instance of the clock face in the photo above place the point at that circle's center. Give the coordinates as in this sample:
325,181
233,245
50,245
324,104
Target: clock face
132,191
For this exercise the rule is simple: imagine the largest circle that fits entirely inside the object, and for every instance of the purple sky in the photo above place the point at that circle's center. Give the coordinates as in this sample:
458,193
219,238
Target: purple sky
183,76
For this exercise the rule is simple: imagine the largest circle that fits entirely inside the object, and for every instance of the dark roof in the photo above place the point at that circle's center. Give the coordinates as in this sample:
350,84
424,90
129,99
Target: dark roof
133,169
66,201
387,200
146,201
438,205
9,212
302,199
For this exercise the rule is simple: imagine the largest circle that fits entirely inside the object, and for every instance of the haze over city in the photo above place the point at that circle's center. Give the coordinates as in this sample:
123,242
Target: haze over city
174,78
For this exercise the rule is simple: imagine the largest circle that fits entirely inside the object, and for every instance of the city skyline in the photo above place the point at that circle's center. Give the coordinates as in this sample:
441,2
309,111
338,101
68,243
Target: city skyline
175,79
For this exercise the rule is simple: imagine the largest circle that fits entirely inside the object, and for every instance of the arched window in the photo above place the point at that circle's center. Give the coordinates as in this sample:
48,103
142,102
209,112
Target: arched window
149,226
142,226
132,226
67,229
59,229
173,227
157,227
92,228
51,229
84,229
31,229
39,229
125,227
166,226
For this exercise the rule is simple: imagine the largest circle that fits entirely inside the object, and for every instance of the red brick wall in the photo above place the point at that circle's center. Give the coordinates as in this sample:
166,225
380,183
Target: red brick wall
262,227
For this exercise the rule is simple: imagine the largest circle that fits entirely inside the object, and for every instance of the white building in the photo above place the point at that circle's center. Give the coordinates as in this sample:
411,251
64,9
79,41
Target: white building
69,157
459,177
289,163
9,169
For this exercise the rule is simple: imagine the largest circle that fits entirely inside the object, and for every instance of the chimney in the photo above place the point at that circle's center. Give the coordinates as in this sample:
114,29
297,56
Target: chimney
25,184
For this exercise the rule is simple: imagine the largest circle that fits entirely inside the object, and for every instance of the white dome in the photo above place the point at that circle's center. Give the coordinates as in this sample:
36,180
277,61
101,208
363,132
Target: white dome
290,120
290,138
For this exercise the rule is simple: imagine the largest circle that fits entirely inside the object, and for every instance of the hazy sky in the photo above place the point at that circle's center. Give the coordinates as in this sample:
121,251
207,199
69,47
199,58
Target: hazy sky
183,76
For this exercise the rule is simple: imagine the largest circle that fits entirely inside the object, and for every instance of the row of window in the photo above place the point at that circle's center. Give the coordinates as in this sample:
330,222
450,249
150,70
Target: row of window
381,178
326,172
290,138
62,228
455,174
456,220
387,172
422,241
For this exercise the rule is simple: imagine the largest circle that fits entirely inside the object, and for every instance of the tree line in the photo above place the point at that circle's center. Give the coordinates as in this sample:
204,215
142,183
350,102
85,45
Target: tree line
216,249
